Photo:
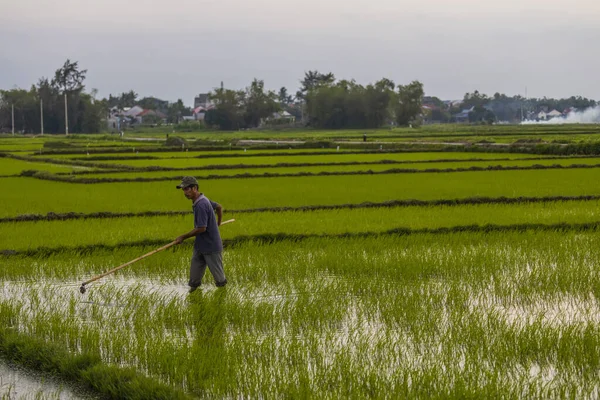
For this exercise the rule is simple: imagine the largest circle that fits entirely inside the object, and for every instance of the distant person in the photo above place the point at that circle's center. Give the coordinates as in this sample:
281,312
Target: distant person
365,137
208,247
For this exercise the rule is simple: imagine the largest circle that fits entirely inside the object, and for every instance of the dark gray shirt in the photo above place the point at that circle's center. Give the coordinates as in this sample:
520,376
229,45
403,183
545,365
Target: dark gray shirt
204,217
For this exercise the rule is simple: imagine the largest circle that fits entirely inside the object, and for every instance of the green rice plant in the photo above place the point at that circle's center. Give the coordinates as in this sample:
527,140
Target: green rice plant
385,166
10,166
26,235
441,131
83,369
237,152
456,315
22,195
334,157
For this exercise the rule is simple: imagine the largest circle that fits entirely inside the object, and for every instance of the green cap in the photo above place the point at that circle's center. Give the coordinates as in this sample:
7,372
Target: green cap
187,181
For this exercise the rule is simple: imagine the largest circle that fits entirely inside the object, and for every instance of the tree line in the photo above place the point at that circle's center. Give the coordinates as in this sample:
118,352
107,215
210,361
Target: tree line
63,104
322,101
500,107
61,100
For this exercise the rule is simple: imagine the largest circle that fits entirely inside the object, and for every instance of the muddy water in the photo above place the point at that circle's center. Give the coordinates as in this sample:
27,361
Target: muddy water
20,384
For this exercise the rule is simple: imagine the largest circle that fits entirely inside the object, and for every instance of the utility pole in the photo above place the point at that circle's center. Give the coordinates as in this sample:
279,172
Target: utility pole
521,110
526,101
66,117
42,115
13,119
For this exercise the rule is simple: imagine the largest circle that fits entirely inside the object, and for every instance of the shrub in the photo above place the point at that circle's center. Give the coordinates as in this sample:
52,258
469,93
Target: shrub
175,141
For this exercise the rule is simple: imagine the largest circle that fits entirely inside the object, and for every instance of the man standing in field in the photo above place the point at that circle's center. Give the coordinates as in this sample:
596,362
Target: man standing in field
208,247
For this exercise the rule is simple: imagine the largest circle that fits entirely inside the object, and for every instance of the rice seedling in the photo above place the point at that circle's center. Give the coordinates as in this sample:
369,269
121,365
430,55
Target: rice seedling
211,170
10,166
25,235
21,195
467,315
334,157
498,299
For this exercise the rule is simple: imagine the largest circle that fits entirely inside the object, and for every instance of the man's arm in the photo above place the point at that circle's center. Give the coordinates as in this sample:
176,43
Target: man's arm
192,233
219,211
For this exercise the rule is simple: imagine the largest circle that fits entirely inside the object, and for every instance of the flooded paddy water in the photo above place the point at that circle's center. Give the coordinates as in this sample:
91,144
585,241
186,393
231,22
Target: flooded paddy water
17,383
516,314
396,309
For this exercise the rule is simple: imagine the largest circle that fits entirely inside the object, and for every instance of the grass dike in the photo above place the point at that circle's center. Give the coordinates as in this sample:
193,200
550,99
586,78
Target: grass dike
84,369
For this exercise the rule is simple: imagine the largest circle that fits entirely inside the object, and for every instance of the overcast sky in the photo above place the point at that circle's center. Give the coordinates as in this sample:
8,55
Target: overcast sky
178,48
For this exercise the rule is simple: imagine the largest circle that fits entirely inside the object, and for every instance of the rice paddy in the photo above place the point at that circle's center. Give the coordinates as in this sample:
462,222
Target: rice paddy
471,284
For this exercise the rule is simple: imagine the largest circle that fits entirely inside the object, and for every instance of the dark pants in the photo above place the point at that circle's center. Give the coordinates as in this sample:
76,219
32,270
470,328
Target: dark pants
200,261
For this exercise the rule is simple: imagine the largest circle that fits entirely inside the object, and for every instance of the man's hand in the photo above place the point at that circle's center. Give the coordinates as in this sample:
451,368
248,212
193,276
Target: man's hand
194,232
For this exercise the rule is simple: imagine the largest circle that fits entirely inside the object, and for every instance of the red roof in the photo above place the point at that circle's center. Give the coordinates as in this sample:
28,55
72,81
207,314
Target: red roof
151,112
145,112
202,109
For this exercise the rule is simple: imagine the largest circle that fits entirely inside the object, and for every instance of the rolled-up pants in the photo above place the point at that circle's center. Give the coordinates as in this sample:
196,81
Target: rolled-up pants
200,261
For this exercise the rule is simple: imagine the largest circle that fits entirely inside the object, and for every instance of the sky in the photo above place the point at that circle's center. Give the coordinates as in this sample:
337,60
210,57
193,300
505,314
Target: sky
175,49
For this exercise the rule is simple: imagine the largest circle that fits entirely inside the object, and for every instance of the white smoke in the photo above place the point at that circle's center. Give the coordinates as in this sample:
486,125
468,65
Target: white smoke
588,116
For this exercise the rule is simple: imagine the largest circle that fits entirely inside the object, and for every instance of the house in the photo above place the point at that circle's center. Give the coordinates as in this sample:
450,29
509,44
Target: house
280,118
203,100
553,114
199,112
452,103
463,116
150,117
114,119
542,116
133,111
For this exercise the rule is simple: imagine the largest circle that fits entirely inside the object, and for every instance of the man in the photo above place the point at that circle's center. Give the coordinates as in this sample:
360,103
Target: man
208,247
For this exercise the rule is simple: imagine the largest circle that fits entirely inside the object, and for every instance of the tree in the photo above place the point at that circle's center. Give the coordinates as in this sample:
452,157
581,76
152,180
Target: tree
475,99
177,110
409,102
347,104
313,80
53,105
92,114
283,96
125,99
153,103
258,104
327,107
379,98
68,81
228,111
26,110
481,114
69,78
